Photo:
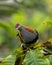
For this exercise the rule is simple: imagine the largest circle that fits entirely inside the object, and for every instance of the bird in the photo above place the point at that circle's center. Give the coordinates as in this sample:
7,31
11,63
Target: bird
27,35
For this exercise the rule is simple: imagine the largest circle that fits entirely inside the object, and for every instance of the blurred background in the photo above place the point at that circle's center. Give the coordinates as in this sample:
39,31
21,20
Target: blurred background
36,14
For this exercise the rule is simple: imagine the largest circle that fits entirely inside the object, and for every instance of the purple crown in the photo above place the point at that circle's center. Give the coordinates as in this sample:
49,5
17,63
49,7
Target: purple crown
16,25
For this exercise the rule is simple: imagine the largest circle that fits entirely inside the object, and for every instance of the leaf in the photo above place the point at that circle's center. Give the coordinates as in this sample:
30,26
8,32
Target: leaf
50,59
49,45
35,57
10,60
50,40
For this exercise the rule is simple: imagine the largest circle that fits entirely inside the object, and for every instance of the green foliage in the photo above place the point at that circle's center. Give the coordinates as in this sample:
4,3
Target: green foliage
50,59
35,57
10,60
32,57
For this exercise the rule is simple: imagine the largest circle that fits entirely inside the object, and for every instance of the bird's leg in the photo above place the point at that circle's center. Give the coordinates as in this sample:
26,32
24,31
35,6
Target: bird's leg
24,48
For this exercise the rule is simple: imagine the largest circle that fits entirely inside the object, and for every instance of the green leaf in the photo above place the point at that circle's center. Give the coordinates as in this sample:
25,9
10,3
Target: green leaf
50,59
35,57
10,60
49,48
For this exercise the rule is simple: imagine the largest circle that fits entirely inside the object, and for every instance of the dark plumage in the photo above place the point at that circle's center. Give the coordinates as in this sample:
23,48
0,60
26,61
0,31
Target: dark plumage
27,35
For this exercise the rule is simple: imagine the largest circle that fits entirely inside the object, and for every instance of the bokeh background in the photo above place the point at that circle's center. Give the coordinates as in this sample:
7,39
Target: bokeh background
36,14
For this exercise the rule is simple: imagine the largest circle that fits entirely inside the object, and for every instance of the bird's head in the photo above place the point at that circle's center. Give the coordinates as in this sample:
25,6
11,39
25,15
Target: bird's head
17,26
25,27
